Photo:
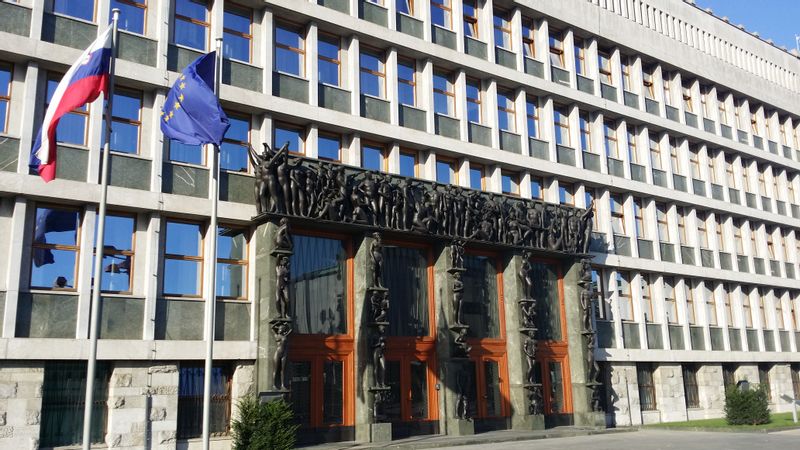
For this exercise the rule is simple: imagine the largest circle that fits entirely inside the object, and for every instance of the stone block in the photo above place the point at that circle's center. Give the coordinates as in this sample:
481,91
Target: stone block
32,417
527,422
380,432
3,418
460,427
157,414
123,380
8,390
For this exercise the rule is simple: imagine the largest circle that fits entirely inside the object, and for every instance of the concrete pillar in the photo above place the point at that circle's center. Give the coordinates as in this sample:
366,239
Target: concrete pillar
264,303
623,404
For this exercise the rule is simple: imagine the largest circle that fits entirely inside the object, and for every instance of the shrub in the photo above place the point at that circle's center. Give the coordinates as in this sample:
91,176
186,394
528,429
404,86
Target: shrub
263,426
746,407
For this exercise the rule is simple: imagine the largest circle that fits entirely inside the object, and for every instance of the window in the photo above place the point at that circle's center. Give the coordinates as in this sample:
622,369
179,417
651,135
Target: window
647,83
624,295
408,163
663,223
506,111
330,64
293,135
795,368
502,30
231,280
566,194
373,75
737,114
722,245
729,172
690,389
470,19
627,67
510,183
728,304
237,34
638,214
480,310
784,138
682,237
753,247
747,308
580,57
475,176
5,94
372,156
183,259
290,49
617,214
474,109
647,389
667,88
191,24
80,9
561,121
687,99
72,127
445,171
763,379
443,94
770,244
712,169
233,153
185,153
655,152
675,162
528,37
318,286
705,92
610,138
694,163
125,121
779,322
670,305
409,314
328,146
690,307
702,230
441,13
190,400
118,248
63,401
746,175
55,248
633,149
406,82
737,237
532,112
537,188
762,183
405,6
647,298
556,49
711,304
604,66
723,111
132,14
754,123
599,288
585,125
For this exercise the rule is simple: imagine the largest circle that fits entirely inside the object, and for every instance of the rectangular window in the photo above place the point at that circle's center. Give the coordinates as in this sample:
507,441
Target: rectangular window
675,162
237,34
648,85
690,306
475,176
6,70
55,248
441,13
185,153
589,195
599,288
727,291
627,68
647,298
373,73
763,379
712,169
561,122
556,43
506,111
443,94
729,172
231,280
655,152
647,389
126,121
580,57
405,7
795,368
624,298
319,269
585,125
408,163
702,230
532,112
670,304
682,237
779,322
72,128
667,88
566,194
705,93
328,146
191,24
118,252
663,223
638,214
445,171
694,163
610,139
502,29
747,308
474,107
183,259
528,37
63,401
737,237
372,156
510,183
690,388
722,245
233,153
291,135
711,304
770,244
748,187
408,283
604,66
537,188
80,9
687,100
132,14
330,64
406,82
470,19
617,214
190,400
633,148
481,295
290,49
723,111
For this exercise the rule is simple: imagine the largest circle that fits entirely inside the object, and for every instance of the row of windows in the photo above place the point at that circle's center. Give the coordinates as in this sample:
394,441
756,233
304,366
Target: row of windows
659,302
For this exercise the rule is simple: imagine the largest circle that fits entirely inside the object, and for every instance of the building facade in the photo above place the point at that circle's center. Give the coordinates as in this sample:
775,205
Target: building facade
678,130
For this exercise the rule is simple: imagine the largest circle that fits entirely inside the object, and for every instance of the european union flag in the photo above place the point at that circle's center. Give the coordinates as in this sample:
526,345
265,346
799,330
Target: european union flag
192,114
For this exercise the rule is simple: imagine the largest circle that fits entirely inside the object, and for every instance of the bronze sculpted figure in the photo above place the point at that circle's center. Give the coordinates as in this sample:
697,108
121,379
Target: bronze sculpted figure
379,361
283,240
376,251
282,288
282,331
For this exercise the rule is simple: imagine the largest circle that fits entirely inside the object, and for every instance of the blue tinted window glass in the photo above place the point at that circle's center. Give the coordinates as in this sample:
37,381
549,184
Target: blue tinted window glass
237,19
231,244
328,72
81,9
288,61
235,47
193,9
126,105
131,16
475,178
56,271
190,34
371,158
328,147
56,226
118,233
536,189
239,129
370,62
408,165
404,7
294,136
72,129
51,267
182,277
507,184
233,157
183,239
370,84
5,80
231,280
288,37
3,114
444,172
191,154
116,273
236,33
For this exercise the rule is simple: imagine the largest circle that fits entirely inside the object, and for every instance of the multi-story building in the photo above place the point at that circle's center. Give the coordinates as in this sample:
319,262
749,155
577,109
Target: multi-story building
681,130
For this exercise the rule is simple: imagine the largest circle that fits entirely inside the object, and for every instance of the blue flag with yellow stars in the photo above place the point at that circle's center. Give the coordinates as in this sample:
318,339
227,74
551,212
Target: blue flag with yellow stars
192,114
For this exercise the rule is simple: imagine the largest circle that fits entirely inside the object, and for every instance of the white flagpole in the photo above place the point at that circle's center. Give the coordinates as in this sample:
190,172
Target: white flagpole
98,252
211,293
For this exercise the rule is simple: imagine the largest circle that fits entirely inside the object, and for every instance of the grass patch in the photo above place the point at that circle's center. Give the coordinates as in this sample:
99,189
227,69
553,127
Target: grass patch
780,420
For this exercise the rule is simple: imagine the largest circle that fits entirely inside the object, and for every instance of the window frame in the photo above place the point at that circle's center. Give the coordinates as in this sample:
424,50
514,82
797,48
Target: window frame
580,56
450,93
206,23
138,123
330,135
609,137
203,229
479,168
514,178
622,296
447,12
290,126
504,28
331,39
245,263
300,51
6,99
617,215
471,22
76,248
604,69
529,37
130,254
511,112
474,83
562,125
54,76
408,62
662,219
381,74
415,155
690,387
555,42
382,150
585,130
248,36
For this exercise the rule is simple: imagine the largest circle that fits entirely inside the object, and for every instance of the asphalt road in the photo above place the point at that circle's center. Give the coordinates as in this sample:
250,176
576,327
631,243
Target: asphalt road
656,440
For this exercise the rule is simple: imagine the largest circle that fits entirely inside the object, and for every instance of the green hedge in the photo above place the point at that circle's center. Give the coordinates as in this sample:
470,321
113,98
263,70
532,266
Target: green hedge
264,426
746,407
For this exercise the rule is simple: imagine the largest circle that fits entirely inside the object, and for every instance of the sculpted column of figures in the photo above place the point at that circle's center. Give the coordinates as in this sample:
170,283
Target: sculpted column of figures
281,325
461,349
587,297
527,308
378,297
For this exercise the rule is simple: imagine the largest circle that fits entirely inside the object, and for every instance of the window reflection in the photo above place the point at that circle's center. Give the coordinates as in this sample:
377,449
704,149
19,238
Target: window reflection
117,253
408,285
231,280
332,384
183,259
480,308
548,309
55,248
319,278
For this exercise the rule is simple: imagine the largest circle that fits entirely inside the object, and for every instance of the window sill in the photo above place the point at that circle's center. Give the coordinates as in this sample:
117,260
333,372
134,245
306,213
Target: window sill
408,15
77,19
135,34
122,295
185,164
446,115
334,86
237,172
186,47
435,25
239,61
130,155
56,291
73,146
374,97
298,77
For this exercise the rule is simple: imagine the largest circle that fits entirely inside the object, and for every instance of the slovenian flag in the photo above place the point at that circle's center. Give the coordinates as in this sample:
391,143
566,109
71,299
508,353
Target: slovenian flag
82,83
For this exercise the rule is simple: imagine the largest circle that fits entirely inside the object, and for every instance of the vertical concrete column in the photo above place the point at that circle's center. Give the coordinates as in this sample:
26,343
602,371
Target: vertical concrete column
615,61
670,397
516,38
361,334
542,38
216,15
351,154
14,262
490,108
525,185
521,120
151,268
614,292
592,68
353,67
393,158
391,85
569,57
457,19
312,136
546,126
423,13
158,143
28,112
163,32
624,387
83,282
391,8
267,52
460,88
312,63
486,27
264,306
494,180
425,92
